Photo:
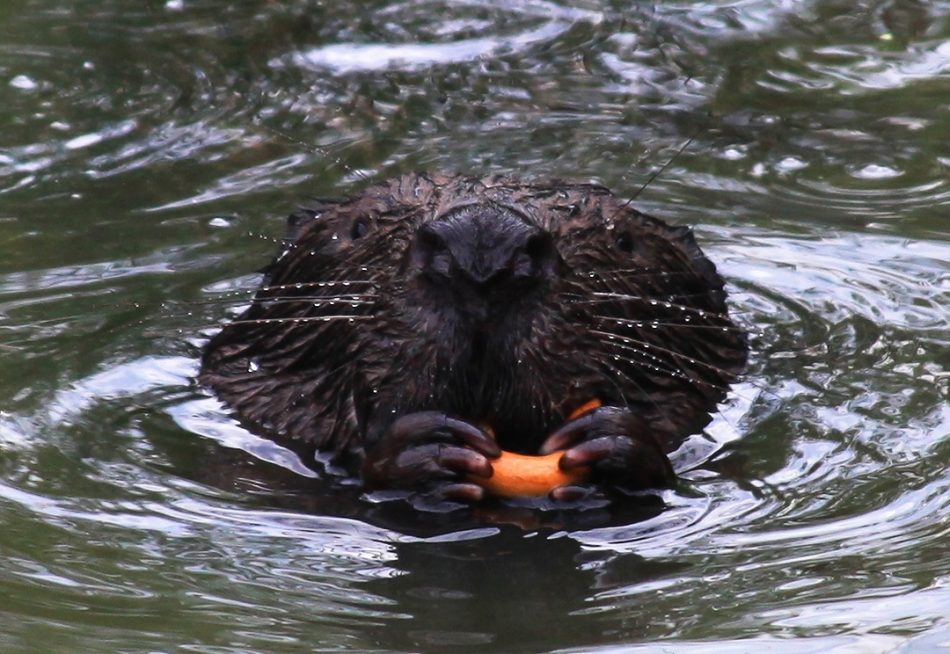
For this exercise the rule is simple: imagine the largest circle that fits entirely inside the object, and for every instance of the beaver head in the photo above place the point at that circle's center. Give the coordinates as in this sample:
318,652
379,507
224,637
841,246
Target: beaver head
502,303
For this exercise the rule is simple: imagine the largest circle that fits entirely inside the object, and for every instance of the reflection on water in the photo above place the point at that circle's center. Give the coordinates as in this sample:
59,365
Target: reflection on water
147,159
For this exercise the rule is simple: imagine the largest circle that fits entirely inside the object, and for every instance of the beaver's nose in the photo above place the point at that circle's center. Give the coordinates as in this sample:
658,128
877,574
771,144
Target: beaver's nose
484,244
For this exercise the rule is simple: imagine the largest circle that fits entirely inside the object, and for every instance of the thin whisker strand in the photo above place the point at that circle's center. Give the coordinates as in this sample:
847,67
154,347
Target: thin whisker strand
677,372
609,368
294,321
657,348
656,174
320,284
654,324
314,149
652,301
627,273
363,298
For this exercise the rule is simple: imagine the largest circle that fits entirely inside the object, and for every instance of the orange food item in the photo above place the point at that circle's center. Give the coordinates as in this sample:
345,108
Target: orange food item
586,407
520,475
524,475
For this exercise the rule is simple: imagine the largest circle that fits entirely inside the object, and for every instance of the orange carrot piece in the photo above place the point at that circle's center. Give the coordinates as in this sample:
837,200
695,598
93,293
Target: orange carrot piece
586,407
523,475
520,475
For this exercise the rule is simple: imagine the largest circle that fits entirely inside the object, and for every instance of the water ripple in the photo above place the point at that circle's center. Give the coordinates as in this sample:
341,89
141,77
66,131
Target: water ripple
144,143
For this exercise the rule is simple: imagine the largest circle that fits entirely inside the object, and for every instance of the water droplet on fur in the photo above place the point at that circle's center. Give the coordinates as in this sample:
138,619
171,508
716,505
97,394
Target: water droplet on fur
253,366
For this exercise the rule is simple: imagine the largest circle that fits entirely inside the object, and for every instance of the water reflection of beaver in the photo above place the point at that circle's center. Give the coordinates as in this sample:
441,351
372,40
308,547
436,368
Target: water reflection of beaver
396,325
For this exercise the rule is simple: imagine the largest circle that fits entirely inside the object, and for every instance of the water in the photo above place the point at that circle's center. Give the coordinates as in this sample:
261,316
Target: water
148,154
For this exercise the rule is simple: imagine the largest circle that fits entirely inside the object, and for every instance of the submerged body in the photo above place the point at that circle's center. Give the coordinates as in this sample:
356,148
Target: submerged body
423,325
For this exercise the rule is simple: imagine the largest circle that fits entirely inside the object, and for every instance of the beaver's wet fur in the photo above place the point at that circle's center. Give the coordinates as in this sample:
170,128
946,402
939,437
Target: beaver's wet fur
396,325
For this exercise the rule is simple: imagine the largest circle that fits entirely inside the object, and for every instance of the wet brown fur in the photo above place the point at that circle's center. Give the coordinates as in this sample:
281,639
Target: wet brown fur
342,338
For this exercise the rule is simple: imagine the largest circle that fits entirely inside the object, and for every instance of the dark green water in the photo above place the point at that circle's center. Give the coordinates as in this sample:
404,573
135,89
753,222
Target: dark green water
140,162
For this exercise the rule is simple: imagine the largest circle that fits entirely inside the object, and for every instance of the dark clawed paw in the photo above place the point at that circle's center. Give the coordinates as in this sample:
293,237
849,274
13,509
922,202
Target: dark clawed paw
460,492
617,447
573,493
433,454
436,426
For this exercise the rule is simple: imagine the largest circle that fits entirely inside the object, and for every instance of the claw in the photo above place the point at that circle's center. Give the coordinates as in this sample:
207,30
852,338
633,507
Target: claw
571,493
429,452
615,445
462,492
588,452
465,460
568,433
433,421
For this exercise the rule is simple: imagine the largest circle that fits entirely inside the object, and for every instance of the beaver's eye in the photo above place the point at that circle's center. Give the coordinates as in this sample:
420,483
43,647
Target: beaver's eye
360,228
625,242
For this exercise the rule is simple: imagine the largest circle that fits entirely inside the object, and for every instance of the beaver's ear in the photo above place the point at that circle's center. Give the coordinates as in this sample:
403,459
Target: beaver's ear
308,212
683,233
686,238
297,222
700,263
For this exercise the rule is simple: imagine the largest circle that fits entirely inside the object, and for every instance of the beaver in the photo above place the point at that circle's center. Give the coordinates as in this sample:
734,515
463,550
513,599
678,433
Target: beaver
411,331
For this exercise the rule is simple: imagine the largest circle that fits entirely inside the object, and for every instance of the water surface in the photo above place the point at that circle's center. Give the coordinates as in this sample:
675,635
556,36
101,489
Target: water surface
148,155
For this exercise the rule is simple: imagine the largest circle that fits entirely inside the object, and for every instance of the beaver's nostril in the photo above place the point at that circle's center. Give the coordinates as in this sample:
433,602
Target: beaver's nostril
430,241
540,249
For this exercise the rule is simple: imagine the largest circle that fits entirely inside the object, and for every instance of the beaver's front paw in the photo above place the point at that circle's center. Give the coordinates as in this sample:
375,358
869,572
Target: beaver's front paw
431,454
618,448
